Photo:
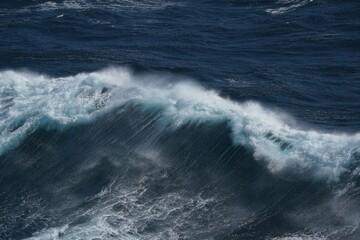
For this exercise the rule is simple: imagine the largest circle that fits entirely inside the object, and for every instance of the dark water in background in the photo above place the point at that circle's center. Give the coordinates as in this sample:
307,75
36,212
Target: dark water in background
136,151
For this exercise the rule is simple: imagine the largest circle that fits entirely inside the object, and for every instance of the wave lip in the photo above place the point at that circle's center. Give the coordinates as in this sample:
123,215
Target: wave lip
29,101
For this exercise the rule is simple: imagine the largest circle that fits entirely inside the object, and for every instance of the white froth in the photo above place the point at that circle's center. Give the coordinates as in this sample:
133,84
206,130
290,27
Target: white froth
302,236
114,5
122,212
287,5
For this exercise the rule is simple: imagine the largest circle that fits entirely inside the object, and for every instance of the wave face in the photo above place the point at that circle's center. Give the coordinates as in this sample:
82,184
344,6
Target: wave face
112,154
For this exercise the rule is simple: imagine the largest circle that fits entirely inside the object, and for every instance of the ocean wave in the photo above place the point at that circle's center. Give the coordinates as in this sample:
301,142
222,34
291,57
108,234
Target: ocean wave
29,101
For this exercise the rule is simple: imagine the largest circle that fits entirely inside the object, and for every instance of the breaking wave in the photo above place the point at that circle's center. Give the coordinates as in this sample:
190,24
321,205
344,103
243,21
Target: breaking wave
30,101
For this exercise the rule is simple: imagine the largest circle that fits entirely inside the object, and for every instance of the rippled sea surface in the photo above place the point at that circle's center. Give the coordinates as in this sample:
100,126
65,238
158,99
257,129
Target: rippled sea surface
165,119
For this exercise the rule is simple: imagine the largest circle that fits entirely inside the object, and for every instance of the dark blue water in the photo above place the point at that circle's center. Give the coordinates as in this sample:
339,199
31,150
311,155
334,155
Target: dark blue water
164,119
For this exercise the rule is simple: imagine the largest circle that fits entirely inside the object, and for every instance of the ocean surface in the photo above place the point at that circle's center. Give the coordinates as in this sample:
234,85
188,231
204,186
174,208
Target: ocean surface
165,119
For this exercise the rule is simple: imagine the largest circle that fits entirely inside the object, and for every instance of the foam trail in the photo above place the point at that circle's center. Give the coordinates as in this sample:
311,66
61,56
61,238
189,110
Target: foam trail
29,101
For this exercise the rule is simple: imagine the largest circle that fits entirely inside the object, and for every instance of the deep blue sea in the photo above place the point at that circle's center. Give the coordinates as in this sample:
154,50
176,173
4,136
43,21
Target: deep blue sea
166,119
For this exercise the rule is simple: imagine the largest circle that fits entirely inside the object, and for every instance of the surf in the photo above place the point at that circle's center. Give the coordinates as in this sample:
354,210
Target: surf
31,101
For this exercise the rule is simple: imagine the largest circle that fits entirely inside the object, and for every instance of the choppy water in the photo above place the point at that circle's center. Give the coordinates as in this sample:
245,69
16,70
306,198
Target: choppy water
161,119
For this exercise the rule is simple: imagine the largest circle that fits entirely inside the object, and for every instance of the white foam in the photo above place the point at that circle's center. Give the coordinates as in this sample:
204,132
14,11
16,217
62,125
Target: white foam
122,212
41,101
114,5
49,6
301,236
287,5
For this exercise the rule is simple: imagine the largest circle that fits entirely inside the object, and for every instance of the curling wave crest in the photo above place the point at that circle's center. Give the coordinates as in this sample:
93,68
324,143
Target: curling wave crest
29,101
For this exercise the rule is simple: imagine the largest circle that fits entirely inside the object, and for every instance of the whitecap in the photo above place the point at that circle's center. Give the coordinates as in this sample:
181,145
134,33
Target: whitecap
39,101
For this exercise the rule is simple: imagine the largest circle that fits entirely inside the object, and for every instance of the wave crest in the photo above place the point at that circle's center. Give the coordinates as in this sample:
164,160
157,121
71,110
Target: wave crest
29,101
